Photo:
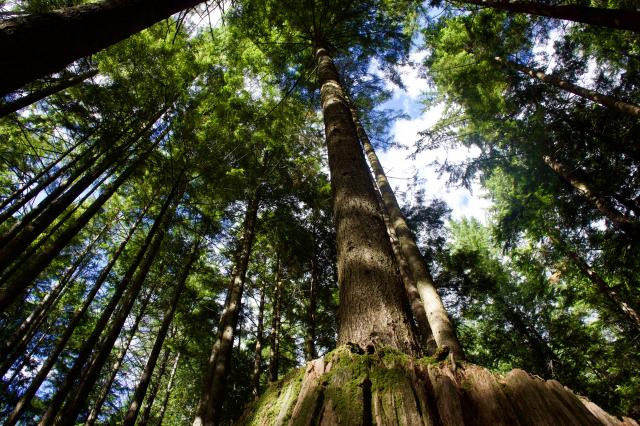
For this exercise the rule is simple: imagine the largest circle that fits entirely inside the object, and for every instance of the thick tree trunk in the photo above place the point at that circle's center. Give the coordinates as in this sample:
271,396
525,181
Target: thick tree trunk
257,357
115,368
621,19
209,408
592,95
153,392
389,388
59,86
372,298
167,392
603,288
16,284
143,382
51,360
599,202
441,327
88,378
276,304
36,45
89,344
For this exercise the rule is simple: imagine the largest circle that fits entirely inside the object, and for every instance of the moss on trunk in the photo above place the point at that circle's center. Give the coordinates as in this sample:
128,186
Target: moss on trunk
386,387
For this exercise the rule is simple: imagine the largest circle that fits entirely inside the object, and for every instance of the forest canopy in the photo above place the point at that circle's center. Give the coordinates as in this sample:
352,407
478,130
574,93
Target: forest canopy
194,204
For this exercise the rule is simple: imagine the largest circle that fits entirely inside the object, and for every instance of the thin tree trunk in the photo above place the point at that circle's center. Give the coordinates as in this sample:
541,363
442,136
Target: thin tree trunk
441,326
18,341
36,45
602,204
610,294
415,302
257,358
73,323
372,298
621,19
143,382
274,353
115,368
218,365
15,285
167,392
75,403
89,344
592,95
153,392
17,104
310,337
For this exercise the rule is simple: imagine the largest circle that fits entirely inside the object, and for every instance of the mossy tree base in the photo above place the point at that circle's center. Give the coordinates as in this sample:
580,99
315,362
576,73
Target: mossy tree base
348,387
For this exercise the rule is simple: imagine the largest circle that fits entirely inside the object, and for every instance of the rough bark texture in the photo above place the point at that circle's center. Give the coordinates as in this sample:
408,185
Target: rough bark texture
372,297
36,45
622,19
443,331
592,95
390,388
24,101
218,365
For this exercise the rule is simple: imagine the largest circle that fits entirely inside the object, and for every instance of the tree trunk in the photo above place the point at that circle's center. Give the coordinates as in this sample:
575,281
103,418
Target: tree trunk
15,285
274,350
59,86
601,203
89,344
257,358
36,45
167,392
153,392
18,340
621,19
73,323
102,397
610,294
415,302
218,365
143,382
441,327
372,299
88,378
310,337
592,95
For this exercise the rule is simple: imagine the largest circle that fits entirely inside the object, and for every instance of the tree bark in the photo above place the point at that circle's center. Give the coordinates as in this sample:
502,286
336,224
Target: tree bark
36,45
592,95
89,344
143,382
15,285
274,350
167,392
59,86
441,327
621,19
208,413
257,358
371,312
601,203
75,403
